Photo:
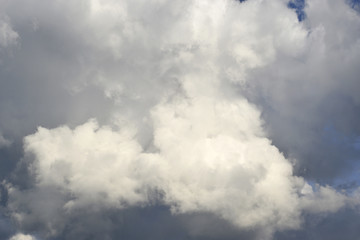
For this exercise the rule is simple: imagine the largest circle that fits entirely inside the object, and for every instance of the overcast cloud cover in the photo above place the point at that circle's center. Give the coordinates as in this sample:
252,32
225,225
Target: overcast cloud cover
182,119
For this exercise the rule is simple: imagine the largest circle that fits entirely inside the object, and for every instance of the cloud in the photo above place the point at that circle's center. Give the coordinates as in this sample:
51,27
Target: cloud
202,108
21,236
8,36
197,167
306,96
4,142
208,156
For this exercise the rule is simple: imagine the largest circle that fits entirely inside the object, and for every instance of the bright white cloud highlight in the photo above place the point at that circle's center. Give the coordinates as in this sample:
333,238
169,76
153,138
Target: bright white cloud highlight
21,236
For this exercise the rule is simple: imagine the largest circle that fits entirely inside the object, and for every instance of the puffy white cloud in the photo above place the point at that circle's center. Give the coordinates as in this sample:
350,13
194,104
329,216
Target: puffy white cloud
209,155
325,199
174,78
92,163
21,236
214,159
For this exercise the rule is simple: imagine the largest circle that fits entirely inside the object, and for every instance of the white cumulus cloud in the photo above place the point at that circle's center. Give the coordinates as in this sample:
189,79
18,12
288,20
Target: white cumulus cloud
21,236
173,103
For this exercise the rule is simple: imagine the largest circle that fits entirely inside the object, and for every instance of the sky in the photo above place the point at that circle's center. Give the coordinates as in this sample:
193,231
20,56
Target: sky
182,119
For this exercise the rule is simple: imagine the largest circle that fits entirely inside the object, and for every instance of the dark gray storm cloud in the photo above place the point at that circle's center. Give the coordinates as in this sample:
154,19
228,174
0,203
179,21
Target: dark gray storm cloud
189,119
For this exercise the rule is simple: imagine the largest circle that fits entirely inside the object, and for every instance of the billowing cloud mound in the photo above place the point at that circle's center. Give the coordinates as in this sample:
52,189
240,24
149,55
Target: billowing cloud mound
207,156
229,108
20,236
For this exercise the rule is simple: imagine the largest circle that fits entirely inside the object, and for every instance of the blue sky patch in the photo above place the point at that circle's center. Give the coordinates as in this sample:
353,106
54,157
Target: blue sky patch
298,6
355,4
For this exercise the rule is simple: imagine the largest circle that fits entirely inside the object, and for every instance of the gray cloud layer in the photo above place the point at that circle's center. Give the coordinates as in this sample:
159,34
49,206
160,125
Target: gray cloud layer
199,116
